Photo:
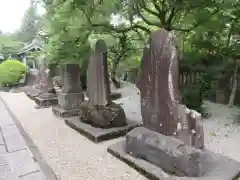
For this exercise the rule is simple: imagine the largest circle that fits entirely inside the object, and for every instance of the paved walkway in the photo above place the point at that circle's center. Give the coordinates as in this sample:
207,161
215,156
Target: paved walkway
16,160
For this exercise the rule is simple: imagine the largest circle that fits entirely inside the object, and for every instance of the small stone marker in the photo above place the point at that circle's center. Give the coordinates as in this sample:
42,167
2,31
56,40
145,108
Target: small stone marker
43,92
71,97
172,138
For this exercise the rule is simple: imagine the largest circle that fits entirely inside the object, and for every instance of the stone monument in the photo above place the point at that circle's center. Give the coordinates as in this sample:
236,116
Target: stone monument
71,96
171,143
43,92
102,117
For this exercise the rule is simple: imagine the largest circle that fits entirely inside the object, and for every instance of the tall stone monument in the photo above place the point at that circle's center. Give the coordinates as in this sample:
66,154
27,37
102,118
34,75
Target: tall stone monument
71,97
99,117
104,93
99,110
172,138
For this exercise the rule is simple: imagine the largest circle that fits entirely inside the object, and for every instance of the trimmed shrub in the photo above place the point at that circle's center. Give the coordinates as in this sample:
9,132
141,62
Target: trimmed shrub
11,71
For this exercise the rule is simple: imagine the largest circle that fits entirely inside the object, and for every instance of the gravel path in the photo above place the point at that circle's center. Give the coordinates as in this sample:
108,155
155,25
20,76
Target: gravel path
73,157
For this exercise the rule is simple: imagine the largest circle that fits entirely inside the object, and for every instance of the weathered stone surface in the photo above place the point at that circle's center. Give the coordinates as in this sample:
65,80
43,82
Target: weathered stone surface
71,78
226,169
158,84
64,113
98,86
108,116
69,101
44,77
190,127
160,95
97,134
169,153
71,97
46,100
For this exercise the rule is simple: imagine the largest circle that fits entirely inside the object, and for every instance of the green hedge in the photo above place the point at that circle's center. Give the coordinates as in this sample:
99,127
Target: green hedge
11,71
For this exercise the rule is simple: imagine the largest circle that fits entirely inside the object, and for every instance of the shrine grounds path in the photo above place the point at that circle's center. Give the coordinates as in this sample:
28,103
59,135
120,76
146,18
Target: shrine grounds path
17,161
73,157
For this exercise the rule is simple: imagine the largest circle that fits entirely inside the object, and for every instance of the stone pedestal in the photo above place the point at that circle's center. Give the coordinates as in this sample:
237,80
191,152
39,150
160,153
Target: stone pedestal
166,158
108,116
32,93
71,96
68,104
45,100
97,134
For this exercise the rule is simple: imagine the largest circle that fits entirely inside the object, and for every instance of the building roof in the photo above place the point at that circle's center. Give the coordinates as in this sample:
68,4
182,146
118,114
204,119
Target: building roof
35,44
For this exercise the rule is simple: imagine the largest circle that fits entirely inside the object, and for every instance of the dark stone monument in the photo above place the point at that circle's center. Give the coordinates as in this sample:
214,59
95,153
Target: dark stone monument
171,143
43,92
71,96
99,117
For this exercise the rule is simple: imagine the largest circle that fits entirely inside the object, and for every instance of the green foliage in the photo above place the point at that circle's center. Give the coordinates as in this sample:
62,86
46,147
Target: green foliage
192,97
8,45
207,32
11,71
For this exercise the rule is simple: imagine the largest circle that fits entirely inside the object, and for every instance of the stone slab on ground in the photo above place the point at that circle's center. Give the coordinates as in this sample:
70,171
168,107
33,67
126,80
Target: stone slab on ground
13,138
98,134
5,118
63,113
228,169
6,172
2,149
22,162
45,103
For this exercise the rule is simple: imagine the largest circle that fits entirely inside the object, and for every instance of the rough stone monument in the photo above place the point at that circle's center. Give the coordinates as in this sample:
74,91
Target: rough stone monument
99,117
171,143
71,96
43,92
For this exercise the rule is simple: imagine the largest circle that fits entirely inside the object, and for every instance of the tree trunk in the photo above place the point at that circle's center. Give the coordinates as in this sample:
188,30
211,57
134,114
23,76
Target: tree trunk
113,74
234,88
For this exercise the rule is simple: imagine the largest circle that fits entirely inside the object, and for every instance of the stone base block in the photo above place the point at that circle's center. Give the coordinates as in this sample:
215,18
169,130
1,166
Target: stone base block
111,115
63,113
45,101
217,168
115,95
98,134
32,94
70,101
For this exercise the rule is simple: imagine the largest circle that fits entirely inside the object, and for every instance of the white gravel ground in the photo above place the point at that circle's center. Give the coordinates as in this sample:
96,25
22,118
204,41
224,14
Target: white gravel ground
73,157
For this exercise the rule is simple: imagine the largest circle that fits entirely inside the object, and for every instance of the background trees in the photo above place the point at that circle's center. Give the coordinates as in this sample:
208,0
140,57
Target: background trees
207,33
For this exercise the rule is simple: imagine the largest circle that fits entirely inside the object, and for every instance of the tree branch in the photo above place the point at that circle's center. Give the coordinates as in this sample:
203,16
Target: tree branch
150,11
200,22
172,13
146,20
157,7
